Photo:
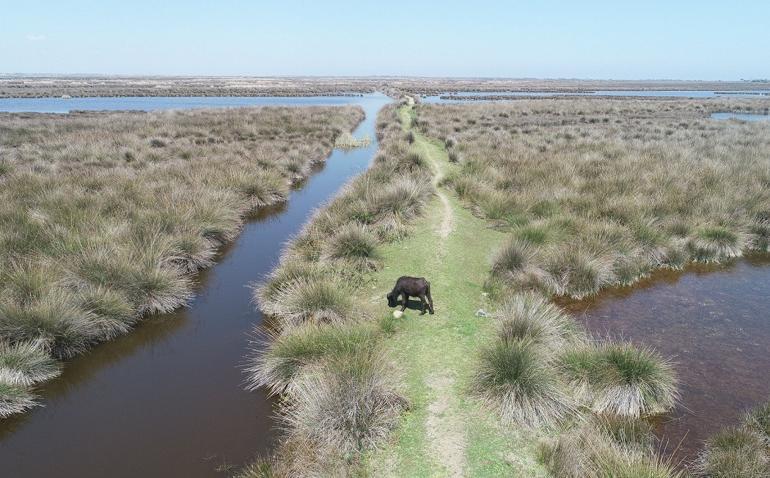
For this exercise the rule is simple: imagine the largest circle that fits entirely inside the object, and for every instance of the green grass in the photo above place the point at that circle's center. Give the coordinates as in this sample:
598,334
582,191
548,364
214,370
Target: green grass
437,352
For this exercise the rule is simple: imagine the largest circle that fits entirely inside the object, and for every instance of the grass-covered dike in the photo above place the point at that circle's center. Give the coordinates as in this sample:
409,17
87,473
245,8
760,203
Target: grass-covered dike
520,203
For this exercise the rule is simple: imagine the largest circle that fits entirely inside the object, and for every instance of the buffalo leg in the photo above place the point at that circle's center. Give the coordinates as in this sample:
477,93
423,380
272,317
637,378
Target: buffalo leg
423,302
430,300
406,300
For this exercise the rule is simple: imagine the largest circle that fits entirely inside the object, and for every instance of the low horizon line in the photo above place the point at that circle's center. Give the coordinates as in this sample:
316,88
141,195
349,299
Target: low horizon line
565,78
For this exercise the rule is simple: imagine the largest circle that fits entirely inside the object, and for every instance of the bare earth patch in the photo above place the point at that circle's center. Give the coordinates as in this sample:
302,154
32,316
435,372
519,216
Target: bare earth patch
445,430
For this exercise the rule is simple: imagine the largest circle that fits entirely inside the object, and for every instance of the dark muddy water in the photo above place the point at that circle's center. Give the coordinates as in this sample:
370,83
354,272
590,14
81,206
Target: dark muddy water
167,399
714,323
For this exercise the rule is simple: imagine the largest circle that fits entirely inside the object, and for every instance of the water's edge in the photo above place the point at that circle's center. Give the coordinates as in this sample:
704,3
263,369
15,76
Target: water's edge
167,399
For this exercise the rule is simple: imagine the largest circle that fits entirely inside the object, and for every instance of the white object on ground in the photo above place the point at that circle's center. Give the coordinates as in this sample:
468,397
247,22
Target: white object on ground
397,314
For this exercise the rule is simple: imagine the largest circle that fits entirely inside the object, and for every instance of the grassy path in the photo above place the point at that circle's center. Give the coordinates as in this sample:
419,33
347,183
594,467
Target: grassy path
446,432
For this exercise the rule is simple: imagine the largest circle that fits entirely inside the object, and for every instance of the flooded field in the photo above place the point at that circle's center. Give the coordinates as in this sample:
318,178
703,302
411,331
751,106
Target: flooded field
713,321
168,399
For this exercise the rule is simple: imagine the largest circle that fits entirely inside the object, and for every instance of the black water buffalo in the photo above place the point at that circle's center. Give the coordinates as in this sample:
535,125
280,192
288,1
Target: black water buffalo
414,287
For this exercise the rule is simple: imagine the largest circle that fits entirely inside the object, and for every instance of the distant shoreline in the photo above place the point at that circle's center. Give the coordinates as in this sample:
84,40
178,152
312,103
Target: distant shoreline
12,86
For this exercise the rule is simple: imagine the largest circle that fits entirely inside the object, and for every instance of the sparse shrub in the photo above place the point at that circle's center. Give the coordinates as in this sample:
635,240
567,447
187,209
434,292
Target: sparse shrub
453,156
157,143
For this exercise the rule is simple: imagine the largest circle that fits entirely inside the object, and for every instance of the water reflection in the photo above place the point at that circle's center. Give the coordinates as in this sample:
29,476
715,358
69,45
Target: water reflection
714,322
168,399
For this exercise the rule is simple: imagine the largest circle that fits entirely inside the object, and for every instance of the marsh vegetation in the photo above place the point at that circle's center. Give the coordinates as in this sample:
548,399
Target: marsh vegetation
592,194
105,217
322,352
600,192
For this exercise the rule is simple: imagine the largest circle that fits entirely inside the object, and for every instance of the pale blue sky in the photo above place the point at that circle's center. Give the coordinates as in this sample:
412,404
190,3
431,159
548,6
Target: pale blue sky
598,39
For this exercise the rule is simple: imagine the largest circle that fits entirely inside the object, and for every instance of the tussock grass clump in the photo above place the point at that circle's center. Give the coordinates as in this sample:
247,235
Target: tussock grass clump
347,405
758,420
55,319
635,381
104,216
600,448
621,379
291,270
356,245
516,378
533,317
26,363
348,141
318,301
712,244
735,452
577,272
14,398
288,353
512,258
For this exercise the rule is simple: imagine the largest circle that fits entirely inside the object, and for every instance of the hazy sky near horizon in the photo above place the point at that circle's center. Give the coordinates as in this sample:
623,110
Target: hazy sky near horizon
564,39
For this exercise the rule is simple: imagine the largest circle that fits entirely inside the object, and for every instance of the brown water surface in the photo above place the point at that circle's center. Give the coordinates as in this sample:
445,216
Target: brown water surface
167,399
714,323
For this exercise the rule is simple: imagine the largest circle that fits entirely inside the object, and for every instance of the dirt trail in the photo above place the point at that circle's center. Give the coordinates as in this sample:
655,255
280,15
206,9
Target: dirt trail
446,433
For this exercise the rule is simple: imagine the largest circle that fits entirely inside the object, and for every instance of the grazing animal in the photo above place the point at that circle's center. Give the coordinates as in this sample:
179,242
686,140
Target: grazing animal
411,286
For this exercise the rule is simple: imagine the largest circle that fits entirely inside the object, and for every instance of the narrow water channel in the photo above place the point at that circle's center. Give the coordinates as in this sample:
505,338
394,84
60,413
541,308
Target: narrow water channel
167,399
714,323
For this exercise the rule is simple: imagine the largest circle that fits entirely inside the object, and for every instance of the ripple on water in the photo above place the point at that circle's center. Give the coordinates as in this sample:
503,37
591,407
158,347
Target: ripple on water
714,322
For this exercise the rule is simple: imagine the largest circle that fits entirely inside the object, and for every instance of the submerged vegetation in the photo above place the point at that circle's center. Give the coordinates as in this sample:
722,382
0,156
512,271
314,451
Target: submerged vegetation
105,216
322,352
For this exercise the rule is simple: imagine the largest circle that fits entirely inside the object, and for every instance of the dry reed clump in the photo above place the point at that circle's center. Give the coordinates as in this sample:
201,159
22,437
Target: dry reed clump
323,355
601,192
104,216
